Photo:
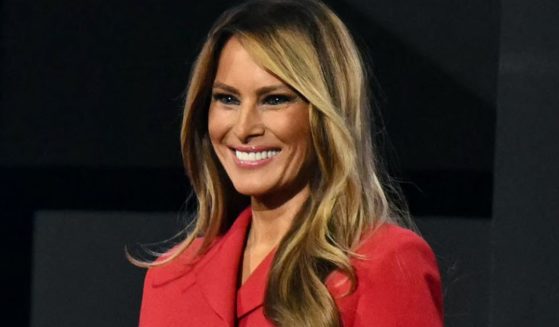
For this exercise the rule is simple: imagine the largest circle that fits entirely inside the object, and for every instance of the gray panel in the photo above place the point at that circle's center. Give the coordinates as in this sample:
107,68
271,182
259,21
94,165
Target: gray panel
526,197
462,246
80,274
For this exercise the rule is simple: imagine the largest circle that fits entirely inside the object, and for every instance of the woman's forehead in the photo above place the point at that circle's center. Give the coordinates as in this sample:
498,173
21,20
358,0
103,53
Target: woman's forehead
236,67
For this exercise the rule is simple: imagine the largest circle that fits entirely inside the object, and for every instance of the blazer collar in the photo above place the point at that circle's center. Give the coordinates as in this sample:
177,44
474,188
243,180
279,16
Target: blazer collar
217,277
216,273
251,294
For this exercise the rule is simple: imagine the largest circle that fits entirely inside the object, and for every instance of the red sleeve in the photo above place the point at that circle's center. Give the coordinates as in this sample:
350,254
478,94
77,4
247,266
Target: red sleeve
400,284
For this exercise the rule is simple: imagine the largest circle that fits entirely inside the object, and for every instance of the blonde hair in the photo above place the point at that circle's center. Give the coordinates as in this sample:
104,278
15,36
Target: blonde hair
307,46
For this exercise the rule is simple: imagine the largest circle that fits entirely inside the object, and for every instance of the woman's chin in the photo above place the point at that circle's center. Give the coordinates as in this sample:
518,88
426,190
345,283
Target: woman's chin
252,190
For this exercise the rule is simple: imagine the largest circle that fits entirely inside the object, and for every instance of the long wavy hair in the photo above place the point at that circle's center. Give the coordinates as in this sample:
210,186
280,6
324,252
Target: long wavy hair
308,47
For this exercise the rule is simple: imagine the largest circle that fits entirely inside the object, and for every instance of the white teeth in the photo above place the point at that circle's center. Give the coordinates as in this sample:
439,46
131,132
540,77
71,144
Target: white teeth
255,156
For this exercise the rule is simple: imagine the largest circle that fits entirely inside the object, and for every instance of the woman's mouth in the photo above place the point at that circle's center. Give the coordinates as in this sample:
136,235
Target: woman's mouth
255,156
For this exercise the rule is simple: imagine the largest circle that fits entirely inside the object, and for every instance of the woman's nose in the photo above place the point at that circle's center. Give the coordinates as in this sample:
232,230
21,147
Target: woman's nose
249,123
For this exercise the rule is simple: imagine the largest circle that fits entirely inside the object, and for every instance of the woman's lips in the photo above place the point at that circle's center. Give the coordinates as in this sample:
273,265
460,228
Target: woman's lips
252,157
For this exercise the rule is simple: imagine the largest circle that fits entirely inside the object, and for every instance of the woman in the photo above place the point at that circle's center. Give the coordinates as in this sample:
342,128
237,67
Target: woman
294,227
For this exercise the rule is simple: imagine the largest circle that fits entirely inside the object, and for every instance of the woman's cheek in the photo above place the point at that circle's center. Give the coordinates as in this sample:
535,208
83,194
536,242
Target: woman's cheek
216,124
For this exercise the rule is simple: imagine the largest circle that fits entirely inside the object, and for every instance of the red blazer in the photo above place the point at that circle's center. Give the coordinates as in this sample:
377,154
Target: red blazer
398,284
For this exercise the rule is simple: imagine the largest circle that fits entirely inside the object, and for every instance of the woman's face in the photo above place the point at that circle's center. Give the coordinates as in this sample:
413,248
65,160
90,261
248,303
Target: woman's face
259,127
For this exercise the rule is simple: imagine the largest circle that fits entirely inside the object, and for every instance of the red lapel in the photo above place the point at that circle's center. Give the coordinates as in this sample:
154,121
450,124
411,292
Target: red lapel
217,273
251,294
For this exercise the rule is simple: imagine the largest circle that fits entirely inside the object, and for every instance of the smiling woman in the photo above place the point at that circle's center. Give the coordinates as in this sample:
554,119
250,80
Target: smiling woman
294,227
259,128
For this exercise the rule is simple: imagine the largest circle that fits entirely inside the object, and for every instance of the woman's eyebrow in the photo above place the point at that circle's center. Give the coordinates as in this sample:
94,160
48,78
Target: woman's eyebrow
259,91
272,88
225,87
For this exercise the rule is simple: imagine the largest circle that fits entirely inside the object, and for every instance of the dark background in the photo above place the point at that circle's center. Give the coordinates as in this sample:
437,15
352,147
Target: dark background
91,98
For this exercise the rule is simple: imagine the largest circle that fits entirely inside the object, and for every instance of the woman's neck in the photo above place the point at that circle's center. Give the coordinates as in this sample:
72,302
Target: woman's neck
270,222
271,219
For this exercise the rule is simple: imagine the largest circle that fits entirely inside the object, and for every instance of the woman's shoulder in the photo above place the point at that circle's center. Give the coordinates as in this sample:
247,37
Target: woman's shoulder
166,282
162,272
390,246
389,239
397,279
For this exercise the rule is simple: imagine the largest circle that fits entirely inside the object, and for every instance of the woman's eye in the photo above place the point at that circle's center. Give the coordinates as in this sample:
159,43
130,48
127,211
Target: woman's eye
227,99
276,99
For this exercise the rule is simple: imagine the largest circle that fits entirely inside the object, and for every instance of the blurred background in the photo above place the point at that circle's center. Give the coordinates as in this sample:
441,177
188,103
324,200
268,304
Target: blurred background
91,101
